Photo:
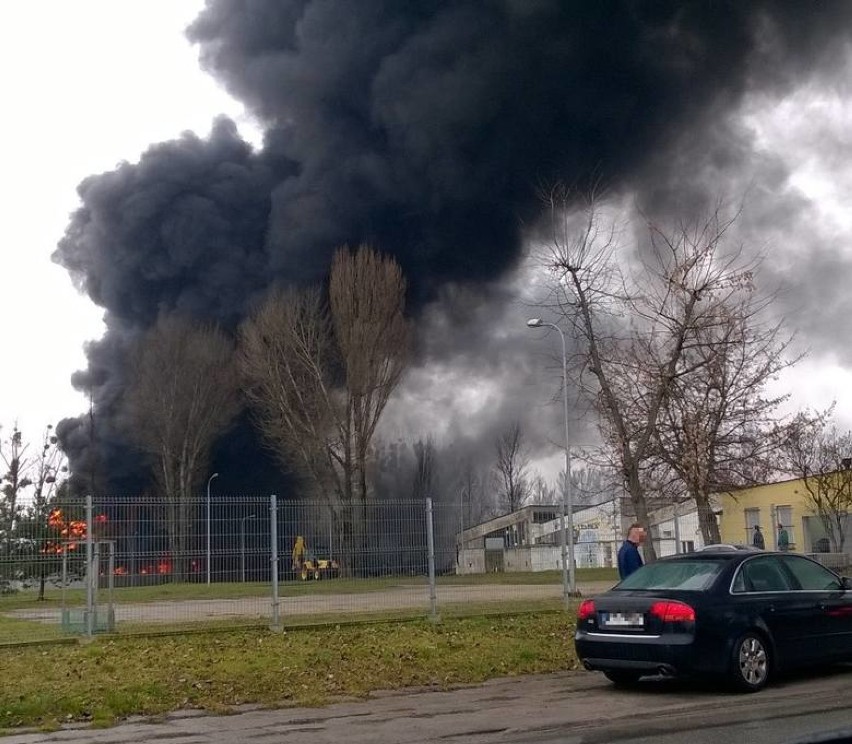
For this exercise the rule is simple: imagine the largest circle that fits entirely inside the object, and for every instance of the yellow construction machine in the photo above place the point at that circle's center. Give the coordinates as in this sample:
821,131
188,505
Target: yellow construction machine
307,565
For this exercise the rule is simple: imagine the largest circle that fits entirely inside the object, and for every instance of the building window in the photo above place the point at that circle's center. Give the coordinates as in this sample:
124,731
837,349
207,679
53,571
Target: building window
540,517
784,536
752,519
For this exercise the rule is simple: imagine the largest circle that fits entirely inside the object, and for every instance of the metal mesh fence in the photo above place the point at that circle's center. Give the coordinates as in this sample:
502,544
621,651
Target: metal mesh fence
140,565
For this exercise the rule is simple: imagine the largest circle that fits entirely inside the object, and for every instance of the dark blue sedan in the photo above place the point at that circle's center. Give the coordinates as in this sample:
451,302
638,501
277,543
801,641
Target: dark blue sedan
736,613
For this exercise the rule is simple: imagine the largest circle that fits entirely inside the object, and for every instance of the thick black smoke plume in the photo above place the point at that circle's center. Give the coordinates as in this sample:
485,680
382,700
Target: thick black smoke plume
424,128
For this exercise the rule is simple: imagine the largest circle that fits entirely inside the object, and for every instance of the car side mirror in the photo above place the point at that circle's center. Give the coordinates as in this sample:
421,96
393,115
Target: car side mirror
846,582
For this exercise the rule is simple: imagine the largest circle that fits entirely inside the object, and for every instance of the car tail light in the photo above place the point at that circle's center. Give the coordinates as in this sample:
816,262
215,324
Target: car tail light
673,612
587,609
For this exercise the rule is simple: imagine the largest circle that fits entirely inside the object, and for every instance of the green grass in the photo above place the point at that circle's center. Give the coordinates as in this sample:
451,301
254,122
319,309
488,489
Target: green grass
14,631
112,678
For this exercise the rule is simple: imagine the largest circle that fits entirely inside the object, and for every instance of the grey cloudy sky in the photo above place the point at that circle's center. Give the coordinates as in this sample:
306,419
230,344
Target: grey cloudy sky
766,121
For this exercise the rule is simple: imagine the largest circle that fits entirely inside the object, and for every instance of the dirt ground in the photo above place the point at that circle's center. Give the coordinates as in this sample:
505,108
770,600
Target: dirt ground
397,598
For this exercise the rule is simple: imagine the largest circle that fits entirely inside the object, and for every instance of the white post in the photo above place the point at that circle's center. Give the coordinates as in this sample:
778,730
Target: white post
243,547
569,579
91,573
430,540
676,529
209,481
568,495
273,538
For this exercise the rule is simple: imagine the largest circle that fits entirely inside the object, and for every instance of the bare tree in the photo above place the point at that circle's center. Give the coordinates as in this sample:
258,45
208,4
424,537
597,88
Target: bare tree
590,484
367,302
471,486
319,374
46,471
512,461
16,478
287,357
719,429
426,473
822,458
634,322
182,396
540,491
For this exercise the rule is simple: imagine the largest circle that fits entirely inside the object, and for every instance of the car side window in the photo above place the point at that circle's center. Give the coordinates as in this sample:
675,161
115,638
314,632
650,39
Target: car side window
738,587
811,575
765,575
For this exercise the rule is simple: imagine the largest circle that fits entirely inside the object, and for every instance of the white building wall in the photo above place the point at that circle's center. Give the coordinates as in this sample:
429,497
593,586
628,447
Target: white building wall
687,531
603,519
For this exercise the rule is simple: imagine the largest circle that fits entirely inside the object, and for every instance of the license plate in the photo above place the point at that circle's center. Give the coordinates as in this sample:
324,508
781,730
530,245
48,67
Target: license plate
622,619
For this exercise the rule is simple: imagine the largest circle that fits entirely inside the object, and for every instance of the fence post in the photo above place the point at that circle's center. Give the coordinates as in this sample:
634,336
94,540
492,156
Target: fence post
91,574
563,544
273,537
430,541
676,530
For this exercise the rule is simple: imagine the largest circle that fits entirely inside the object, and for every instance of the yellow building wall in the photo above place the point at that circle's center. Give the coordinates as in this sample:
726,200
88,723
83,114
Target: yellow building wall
766,504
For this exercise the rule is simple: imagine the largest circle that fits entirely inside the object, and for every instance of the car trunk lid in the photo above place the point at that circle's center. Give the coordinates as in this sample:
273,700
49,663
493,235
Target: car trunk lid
638,613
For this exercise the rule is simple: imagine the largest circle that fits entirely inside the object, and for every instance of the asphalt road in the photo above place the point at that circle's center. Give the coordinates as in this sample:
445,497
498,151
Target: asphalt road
569,708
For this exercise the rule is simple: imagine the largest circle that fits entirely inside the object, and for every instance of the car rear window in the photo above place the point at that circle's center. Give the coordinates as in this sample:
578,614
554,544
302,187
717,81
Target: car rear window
689,575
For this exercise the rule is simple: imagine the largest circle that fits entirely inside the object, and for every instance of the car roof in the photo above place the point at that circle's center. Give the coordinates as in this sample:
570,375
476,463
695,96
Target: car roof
715,555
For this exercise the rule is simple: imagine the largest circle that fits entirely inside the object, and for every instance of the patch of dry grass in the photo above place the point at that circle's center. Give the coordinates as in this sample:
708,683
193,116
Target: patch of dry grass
113,678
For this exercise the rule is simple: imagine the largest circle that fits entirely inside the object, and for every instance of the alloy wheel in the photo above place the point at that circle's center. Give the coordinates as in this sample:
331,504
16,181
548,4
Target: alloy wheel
752,662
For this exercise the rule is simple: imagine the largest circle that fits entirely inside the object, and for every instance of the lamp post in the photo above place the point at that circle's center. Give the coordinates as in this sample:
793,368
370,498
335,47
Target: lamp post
569,581
209,481
243,547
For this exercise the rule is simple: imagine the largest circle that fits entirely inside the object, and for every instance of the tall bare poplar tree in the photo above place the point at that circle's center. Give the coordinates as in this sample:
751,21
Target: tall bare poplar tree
182,396
320,373
367,301
288,361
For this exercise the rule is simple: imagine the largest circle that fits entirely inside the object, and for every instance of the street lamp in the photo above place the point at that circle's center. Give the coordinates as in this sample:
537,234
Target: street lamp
209,481
569,581
243,547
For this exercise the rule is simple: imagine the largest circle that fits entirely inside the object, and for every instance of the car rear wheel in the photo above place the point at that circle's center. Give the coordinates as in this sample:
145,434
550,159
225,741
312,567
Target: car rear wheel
622,677
750,663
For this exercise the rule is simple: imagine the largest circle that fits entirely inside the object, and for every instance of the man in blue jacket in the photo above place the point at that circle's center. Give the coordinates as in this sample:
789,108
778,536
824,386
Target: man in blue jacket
629,558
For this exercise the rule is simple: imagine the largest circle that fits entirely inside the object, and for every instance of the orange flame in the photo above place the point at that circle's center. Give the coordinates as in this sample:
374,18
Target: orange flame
72,531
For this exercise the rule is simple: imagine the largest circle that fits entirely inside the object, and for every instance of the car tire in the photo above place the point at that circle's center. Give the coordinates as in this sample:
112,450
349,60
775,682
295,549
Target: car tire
622,677
751,662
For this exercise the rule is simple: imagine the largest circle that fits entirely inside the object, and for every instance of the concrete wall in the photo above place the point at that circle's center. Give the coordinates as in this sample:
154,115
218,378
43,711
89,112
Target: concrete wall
471,561
546,558
538,558
516,559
